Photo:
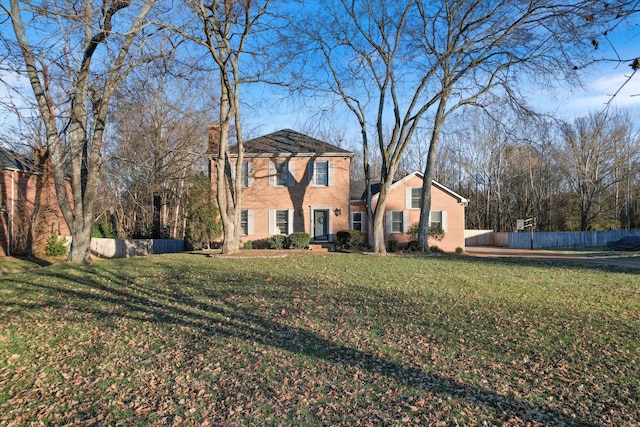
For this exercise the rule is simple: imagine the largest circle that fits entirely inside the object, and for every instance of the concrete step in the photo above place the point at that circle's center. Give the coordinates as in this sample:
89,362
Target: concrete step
322,247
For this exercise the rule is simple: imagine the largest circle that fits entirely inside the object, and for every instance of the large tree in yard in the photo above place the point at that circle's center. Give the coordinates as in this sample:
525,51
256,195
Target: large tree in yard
75,54
402,65
228,30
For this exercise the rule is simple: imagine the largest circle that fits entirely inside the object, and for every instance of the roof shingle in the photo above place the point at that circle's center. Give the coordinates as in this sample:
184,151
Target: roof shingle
287,142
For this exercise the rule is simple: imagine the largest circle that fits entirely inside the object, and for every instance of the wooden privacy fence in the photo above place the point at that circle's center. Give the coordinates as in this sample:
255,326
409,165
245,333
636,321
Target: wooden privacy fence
125,248
546,239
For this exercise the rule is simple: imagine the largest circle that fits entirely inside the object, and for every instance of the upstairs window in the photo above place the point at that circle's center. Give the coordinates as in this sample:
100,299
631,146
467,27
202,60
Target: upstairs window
281,174
416,197
321,174
413,197
247,174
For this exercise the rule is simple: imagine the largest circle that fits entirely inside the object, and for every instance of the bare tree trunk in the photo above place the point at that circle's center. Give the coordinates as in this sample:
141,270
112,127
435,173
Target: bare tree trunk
80,146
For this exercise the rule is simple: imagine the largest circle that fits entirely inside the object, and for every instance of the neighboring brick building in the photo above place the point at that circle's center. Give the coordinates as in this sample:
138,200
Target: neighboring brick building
403,211
293,182
29,211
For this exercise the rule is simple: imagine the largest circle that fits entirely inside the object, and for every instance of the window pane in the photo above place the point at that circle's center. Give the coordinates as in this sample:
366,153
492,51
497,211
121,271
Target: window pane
321,173
356,221
396,222
282,174
282,221
436,220
245,174
416,197
244,222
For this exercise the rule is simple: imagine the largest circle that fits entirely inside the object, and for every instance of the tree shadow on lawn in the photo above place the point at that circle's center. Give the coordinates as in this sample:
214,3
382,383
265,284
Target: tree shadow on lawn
607,264
226,319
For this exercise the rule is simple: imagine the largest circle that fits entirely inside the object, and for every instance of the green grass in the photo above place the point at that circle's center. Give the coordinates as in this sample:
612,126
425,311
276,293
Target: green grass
12,265
312,340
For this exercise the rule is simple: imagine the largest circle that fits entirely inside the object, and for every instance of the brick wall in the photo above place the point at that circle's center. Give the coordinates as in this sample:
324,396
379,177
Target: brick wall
440,201
18,192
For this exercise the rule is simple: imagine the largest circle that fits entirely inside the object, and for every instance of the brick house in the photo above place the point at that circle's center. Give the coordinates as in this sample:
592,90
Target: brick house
29,211
292,182
403,210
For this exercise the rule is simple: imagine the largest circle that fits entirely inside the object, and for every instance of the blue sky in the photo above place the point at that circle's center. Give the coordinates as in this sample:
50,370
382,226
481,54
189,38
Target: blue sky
267,111
600,81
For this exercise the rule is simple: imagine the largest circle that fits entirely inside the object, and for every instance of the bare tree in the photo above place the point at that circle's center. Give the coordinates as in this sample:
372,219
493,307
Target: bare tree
226,29
592,164
156,146
361,44
475,49
83,53
392,62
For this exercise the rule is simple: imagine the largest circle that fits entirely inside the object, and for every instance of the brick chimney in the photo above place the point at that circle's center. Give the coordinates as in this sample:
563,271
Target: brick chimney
41,159
214,139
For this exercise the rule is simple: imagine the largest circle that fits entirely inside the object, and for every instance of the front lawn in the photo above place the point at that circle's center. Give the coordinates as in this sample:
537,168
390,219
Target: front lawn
337,339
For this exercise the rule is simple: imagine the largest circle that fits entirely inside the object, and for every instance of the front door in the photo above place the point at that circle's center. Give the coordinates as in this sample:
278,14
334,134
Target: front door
321,225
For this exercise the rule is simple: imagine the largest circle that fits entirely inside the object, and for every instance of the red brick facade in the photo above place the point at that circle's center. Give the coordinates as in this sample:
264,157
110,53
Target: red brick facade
447,208
309,205
289,187
22,192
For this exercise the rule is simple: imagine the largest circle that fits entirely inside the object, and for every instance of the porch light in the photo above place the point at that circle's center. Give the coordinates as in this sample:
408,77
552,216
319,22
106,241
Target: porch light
338,211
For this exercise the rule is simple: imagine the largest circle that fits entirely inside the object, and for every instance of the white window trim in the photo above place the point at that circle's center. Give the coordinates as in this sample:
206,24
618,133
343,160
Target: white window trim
311,172
389,222
273,229
363,221
250,230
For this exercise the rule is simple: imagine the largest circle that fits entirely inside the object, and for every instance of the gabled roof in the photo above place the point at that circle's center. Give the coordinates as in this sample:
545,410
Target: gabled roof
359,188
289,143
10,160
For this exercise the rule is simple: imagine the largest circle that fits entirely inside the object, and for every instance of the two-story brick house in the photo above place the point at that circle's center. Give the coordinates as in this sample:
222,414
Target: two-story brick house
293,182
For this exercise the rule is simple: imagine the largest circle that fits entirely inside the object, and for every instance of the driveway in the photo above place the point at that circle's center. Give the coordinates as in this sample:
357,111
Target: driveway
586,257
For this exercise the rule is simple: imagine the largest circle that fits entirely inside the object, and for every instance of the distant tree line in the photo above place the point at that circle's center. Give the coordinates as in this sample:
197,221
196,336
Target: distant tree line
577,175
